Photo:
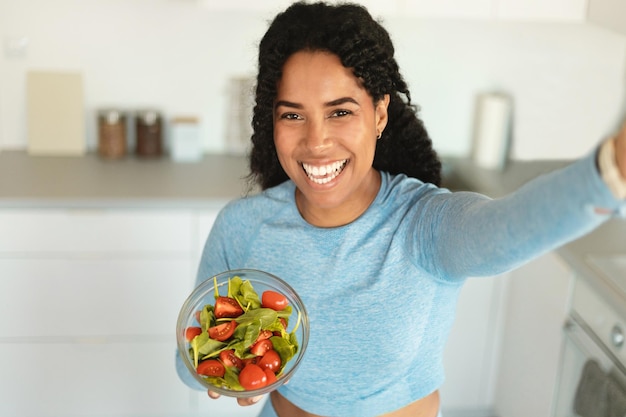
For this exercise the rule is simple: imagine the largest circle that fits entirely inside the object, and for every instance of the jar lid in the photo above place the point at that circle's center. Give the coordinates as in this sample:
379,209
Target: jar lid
111,116
148,117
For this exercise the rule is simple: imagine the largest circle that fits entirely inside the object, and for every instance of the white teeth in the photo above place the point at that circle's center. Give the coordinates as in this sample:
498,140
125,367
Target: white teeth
321,174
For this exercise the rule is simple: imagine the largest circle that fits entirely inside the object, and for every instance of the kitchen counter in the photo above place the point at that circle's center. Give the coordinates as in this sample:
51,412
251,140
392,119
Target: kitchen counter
608,242
90,181
462,174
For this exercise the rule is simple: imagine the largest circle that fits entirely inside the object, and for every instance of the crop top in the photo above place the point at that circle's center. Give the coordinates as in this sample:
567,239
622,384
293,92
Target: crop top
381,291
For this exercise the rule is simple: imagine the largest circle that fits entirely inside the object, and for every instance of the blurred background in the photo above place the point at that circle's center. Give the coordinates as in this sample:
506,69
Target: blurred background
565,73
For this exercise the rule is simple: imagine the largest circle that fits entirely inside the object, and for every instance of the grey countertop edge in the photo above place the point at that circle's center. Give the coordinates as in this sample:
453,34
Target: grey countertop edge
609,240
113,204
91,182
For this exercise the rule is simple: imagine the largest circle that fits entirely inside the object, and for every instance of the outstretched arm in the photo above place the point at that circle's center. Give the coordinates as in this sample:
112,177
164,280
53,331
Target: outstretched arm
478,236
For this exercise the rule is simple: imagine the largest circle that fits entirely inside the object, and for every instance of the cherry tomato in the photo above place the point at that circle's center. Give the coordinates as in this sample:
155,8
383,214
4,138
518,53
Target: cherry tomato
227,307
197,316
274,300
271,360
254,360
261,347
264,334
252,377
222,331
271,376
229,358
192,332
211,367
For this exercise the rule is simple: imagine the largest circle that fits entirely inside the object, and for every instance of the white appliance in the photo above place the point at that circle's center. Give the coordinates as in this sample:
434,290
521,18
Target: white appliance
592,381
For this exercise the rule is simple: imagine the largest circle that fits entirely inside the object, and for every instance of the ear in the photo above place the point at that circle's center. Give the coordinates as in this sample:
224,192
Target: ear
381,113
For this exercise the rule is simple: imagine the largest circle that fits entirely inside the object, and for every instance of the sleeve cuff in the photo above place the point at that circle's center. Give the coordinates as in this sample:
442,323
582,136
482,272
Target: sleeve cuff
609,170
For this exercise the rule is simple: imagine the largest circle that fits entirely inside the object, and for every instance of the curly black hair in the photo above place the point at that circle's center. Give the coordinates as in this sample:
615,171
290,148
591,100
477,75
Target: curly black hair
362,44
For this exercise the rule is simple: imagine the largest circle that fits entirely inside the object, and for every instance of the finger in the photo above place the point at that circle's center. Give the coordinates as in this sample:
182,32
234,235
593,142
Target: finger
249,401
620,151
213,395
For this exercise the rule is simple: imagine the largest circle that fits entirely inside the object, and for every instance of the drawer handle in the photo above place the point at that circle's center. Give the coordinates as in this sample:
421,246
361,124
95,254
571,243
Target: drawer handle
617,336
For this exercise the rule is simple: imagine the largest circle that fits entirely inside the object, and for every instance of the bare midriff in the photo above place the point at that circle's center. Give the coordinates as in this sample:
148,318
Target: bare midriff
424,407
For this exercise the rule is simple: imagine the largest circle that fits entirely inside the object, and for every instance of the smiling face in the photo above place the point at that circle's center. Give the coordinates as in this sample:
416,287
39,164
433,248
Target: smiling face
325,130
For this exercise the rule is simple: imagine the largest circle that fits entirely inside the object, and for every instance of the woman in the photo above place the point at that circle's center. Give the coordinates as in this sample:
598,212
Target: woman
352,217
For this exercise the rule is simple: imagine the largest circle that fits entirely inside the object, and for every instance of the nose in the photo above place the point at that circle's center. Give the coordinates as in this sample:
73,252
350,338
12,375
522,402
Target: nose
316,136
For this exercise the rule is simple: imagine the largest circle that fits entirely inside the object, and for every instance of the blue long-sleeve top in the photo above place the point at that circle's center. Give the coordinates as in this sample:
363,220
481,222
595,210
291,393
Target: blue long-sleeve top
381,291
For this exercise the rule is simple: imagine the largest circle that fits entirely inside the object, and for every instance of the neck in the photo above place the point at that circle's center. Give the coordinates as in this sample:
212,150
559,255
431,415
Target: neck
344,213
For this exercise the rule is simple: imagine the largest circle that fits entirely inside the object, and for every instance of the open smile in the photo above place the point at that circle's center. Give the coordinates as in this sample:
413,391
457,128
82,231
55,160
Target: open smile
322,174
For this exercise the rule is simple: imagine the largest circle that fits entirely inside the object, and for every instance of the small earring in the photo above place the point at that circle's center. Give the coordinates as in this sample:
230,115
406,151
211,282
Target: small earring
380,135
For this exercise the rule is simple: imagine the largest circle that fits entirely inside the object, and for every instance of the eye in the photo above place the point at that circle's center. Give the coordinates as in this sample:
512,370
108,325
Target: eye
340,113
290,116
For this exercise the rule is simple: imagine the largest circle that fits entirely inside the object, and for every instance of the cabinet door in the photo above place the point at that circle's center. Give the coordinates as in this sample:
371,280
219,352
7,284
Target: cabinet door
94,231
610,14
538,301
245,5
552,10
457,9
91,298
117,379
471,348
270,7
204,223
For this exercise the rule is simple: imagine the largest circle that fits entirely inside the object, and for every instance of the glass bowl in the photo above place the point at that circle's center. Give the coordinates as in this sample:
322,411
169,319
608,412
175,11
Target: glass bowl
290,341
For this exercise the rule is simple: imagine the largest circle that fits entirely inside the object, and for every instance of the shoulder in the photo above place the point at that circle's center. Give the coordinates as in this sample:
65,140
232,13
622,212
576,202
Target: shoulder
236,227
396,187
423,203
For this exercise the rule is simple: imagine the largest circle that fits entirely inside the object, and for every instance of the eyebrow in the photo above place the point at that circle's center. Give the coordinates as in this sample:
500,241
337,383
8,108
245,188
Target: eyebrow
331,103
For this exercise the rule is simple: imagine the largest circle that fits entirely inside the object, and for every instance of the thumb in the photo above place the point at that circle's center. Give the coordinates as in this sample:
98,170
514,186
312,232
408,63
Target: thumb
249,401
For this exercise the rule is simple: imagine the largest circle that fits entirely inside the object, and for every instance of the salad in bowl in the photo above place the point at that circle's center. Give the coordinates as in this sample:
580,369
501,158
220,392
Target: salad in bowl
242,333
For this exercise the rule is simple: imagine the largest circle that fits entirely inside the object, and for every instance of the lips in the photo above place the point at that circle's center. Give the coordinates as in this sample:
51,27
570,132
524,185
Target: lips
321,174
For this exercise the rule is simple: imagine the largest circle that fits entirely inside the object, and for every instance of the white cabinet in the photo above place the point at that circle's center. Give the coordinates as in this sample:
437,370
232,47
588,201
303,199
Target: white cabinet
202,228
471,350
90,300
456,9
607,13
537,304
75,232
610,14
542,10
85,299
527,10
271,7
122,378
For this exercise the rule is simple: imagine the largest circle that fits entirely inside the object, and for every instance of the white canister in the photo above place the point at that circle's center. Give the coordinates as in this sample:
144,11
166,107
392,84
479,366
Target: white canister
492,130
185,139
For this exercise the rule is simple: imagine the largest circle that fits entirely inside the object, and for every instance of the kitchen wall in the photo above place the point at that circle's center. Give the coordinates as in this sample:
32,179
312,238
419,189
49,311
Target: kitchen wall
567,79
